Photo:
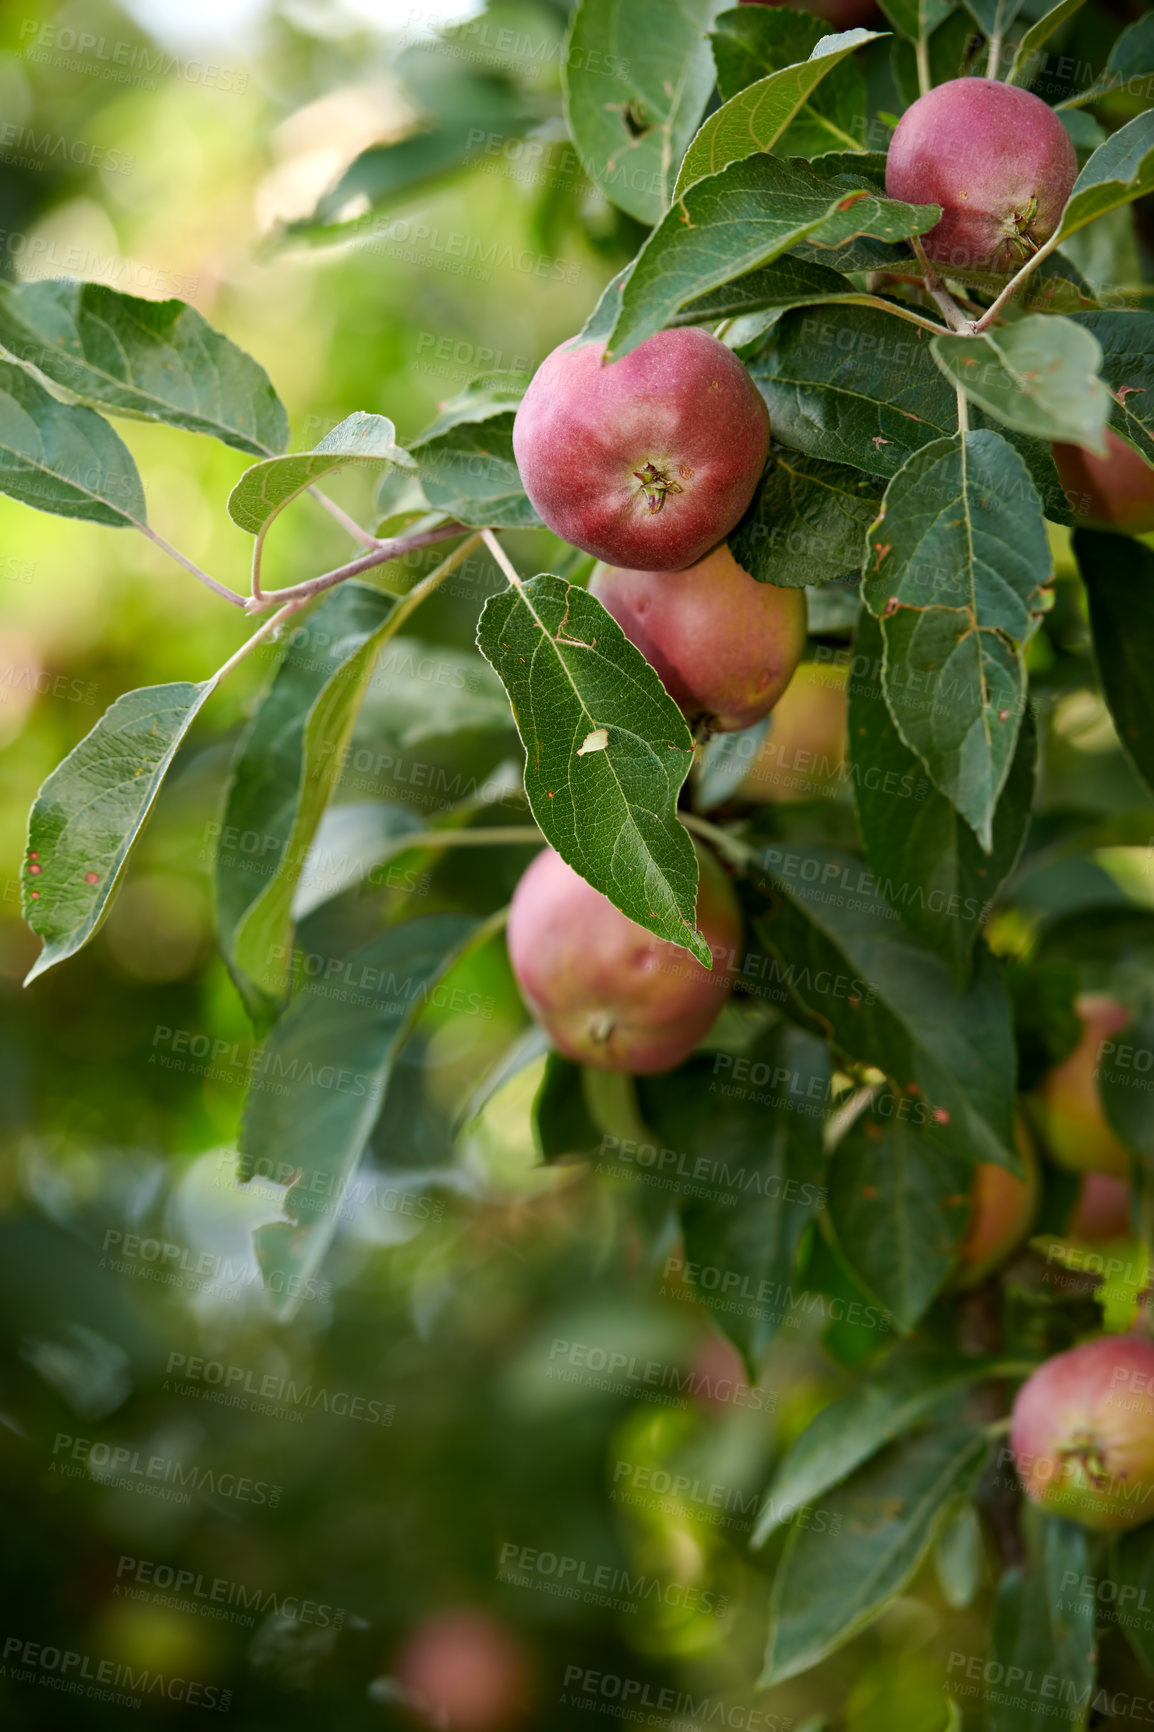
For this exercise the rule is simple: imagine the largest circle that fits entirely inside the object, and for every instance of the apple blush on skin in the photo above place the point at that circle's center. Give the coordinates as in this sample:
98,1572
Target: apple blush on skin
646,462
607,992
1065,1107
1111,492
999,162
1082,1433
724,645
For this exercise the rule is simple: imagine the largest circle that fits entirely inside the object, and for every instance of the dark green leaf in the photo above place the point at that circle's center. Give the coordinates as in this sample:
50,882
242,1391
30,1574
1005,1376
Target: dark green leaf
562,1124
1127,343
607,751
832,1582
853,969
91,810
756,119
64,459
1125,1074
959,560
855,386
1119,578
1039,375
753,1171
923,855
993,17
1132,56
807,522
470,473
637,78
150,360
1133,1568
350,841
785,282
1119,171
287,765
753,41
1044,1628
1036,35
899,1205
723,764
853,1428
915,18
744,216
319,1085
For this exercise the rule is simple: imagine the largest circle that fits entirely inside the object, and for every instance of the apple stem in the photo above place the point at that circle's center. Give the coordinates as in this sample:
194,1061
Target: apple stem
995,54
963,412
1015,282
922,51
938,292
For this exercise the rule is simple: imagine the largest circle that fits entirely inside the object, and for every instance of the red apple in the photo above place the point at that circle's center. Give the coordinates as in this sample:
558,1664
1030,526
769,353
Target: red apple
1102,1208
725,645
1082,1433
467,1671
999,162
607,992
1115,491
649,461
1065,1106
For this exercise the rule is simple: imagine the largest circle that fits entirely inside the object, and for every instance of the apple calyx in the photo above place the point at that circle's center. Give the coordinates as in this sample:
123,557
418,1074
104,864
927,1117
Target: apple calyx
656,484
1085,1452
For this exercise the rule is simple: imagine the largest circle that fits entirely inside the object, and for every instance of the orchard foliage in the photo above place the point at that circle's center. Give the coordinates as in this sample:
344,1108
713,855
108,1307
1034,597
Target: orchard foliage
900,1003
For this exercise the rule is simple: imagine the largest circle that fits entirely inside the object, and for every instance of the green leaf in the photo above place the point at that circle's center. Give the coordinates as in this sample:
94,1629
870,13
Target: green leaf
723,764
1044,1629
637,77
745,216
90,811
851,968
898,1203
853,1428
319,1085
756,118
1132,1567
1124,1086
349,842
609,809
855,386
957,566
784,282
63,459
1040,375
1127,344
752,42
287,765
1119,577
469,472
960,1560
1119,171
562,1124
1038,34
481,400
917,18
426,691
1132,56
149,360
924,857
993,17
264,490
807,522
830,1584
753,1172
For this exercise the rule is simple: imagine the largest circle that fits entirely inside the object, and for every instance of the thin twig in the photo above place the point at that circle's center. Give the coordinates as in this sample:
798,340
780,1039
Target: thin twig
995,54
740,853
250,643
342,517
381,554
922,51
963,411
951,312
1015,283
502,558
190,565
497,836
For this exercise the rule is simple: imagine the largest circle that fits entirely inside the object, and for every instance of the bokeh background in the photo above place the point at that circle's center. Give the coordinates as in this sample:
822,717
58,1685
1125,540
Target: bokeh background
442,1396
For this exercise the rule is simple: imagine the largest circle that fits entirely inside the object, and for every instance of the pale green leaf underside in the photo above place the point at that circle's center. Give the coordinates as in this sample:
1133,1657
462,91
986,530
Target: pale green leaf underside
1040,376
266,488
